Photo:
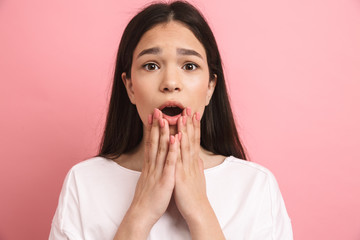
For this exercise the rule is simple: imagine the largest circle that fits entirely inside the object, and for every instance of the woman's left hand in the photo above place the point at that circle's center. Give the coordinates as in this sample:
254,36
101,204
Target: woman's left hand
190,187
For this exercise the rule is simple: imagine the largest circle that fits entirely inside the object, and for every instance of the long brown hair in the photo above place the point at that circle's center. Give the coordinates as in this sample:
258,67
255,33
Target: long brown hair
124,128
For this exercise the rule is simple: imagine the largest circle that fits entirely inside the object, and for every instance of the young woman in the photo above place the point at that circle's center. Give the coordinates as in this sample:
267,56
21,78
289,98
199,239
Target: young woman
171,165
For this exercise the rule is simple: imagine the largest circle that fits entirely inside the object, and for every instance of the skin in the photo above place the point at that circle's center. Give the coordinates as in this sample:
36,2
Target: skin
170,157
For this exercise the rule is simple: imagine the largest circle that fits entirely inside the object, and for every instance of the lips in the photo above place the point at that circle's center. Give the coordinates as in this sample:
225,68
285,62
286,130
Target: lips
171,111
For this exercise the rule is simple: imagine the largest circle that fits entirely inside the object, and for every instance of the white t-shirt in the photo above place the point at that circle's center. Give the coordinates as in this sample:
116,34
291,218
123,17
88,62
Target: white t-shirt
244,195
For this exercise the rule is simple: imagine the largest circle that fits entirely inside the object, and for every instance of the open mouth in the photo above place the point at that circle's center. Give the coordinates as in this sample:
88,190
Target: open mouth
171,110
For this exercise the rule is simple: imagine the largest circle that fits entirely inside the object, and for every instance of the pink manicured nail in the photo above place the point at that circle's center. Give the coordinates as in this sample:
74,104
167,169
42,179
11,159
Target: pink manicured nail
150,119
197,116
172,139
188,111
184,119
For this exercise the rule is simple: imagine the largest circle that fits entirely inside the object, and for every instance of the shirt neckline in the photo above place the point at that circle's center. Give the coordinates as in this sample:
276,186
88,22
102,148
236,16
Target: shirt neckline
206,171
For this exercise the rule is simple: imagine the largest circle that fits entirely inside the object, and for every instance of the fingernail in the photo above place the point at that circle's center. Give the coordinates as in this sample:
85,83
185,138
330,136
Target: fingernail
197,116
150,119
184,120
188,111
172,139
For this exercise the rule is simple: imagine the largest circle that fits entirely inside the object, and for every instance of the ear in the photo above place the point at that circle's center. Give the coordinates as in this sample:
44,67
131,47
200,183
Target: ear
211,88
129,87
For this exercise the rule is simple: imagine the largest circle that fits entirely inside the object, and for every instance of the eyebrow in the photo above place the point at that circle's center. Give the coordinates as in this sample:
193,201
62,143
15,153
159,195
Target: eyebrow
179,51
154,50
184,51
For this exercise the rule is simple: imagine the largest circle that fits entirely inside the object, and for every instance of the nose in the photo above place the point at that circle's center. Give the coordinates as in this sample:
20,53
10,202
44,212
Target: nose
171,81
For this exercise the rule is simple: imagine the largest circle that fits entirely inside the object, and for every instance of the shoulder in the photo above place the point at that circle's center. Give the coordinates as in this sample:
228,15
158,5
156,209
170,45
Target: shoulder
77,188
85,171
94,164
90,163
244,173
245,168
256,176
97,171
258,184
237,162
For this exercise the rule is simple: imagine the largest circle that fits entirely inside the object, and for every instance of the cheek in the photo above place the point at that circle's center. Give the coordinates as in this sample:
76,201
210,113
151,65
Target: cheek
142,88
199,96
200,90
142,100
140,94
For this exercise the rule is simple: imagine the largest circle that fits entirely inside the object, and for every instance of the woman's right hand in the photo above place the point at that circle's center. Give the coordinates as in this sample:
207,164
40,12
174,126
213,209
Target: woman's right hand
156,183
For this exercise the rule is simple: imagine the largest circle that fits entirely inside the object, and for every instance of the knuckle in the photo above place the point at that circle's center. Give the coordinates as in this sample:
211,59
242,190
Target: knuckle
172,150
163,137
170,161
187,147
149,144
161,149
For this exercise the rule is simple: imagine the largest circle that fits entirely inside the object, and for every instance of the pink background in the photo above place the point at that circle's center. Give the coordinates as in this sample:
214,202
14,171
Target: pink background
293,70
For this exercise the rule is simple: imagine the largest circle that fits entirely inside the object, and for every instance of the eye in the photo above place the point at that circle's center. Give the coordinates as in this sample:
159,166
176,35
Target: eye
190,66
151,66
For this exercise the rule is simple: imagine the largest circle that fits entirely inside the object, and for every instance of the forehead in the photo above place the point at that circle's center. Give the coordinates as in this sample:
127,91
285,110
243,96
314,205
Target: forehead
170,35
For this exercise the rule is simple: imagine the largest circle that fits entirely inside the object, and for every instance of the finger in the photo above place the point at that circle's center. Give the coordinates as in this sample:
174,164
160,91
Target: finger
183,118
183,113
171,159
180,124
180,127
179,165
189,145
184,147
197,131
198,164
147,139
201,164
190,127
188,111
153,142
162,147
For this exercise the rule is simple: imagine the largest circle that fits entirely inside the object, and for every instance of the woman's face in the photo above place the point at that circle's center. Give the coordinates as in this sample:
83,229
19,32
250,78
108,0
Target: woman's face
169,71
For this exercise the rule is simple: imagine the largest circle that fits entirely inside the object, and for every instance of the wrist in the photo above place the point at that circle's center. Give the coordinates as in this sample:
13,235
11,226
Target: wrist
140,218
200,214
204,224
134,226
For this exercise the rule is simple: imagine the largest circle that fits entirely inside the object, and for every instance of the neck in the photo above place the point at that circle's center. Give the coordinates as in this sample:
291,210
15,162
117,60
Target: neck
134,159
